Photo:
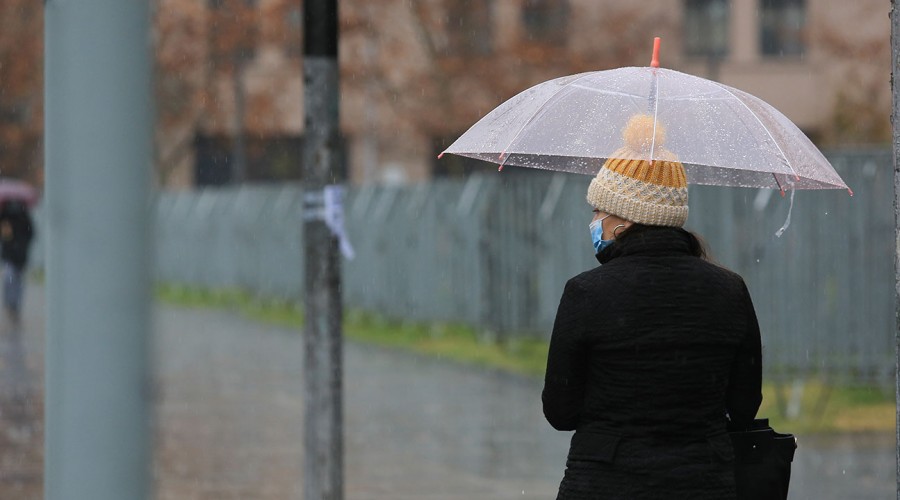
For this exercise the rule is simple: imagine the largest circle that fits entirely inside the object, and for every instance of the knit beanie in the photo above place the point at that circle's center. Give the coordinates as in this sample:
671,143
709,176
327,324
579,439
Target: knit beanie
635,188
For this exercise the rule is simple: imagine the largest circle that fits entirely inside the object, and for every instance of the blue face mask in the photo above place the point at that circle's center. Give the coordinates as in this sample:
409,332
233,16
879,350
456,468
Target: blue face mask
596,228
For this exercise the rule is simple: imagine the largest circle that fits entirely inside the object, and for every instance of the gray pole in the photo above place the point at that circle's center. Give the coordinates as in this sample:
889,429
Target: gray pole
895,121
98,154
323,432
239,152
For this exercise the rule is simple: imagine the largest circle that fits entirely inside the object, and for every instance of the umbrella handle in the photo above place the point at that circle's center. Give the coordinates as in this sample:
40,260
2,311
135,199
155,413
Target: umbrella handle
654,62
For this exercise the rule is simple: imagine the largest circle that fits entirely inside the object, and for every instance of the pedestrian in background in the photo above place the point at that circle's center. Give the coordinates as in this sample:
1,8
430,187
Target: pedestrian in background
657,351
16,233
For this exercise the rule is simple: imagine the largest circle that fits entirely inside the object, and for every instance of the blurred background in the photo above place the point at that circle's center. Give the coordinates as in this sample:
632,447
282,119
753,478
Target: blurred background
458,269
415,75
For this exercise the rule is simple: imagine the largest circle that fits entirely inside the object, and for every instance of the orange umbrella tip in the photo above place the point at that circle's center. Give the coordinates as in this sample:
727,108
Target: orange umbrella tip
655,61
850,191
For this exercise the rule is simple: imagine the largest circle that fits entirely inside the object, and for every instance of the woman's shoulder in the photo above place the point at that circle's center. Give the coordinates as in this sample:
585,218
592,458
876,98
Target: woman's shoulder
590,279
720,277
616,273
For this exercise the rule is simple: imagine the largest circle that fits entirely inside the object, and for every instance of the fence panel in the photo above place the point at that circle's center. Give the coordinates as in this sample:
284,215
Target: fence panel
494,251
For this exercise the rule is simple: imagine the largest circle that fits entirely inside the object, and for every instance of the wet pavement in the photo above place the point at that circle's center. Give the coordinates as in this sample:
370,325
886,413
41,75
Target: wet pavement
229,422
21,413
415,427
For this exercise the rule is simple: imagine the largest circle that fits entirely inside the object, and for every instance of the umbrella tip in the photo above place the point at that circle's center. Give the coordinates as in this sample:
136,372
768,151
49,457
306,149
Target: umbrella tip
441,155
654,62
500,168
850,191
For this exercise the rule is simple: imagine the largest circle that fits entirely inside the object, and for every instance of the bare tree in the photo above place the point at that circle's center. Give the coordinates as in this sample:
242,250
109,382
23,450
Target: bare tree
862,97
179,85
461,70
21,87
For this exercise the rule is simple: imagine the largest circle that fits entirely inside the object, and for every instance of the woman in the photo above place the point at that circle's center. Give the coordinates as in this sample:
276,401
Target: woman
655,352
16,232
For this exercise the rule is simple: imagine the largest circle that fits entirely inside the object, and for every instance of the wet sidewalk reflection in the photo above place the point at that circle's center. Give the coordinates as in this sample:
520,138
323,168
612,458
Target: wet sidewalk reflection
416,427
21,410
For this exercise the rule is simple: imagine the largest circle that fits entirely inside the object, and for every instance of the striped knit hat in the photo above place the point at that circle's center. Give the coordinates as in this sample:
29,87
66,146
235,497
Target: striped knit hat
652,192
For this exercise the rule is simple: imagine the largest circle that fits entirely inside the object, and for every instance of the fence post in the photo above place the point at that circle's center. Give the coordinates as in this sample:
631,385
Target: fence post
98,152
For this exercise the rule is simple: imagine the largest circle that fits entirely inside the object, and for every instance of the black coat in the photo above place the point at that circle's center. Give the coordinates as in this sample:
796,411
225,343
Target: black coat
648,353
15,244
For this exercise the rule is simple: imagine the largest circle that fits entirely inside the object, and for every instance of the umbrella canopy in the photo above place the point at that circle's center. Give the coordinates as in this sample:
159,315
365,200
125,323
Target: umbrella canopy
16,190
722,135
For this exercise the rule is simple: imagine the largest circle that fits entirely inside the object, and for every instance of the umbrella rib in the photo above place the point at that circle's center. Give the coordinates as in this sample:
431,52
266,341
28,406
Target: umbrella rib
761,124
693,97
603,91
535,114
778,183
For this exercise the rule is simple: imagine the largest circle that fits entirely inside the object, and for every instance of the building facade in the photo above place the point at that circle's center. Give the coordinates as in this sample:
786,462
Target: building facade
415,75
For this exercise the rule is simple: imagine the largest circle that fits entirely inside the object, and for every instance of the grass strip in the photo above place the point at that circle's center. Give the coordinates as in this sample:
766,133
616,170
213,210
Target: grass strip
444,340
830,408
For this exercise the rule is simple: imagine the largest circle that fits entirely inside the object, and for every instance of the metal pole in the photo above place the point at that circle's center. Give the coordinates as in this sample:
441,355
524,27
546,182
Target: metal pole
895,122
239,151
98,153
323,432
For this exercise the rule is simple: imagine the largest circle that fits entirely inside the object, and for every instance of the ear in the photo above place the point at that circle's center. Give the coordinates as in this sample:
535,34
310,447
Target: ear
621,226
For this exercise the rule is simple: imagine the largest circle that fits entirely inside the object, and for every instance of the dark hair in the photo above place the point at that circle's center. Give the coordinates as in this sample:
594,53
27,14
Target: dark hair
698,247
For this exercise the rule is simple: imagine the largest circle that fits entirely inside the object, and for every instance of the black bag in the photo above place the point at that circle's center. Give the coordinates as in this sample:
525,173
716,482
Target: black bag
762,462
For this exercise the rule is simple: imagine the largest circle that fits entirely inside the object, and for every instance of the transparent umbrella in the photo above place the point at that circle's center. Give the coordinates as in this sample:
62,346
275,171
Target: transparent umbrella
722,135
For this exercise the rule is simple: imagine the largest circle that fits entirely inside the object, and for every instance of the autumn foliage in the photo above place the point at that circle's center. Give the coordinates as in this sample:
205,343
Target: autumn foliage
412,72
21,87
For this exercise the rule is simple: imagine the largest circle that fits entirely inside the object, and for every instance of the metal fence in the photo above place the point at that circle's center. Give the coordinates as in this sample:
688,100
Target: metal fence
495,250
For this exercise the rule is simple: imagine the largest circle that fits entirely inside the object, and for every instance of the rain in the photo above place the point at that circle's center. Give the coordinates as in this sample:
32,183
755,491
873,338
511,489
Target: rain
285,249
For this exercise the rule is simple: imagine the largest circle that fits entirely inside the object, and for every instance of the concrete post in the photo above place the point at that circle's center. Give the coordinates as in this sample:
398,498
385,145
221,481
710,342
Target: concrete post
98,154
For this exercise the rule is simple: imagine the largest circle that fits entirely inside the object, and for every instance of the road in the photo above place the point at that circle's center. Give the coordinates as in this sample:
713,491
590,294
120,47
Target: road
229,422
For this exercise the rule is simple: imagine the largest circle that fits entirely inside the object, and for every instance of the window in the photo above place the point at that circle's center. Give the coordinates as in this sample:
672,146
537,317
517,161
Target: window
15,112
469,27
546,20
782,27
221,4
271,158
706,27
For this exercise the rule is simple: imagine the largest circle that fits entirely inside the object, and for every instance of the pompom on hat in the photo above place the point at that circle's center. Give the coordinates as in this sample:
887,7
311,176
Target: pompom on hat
636,188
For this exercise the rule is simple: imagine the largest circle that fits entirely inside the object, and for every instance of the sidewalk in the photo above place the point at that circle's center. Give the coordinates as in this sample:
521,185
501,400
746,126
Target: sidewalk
21,408
229,422
231,409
